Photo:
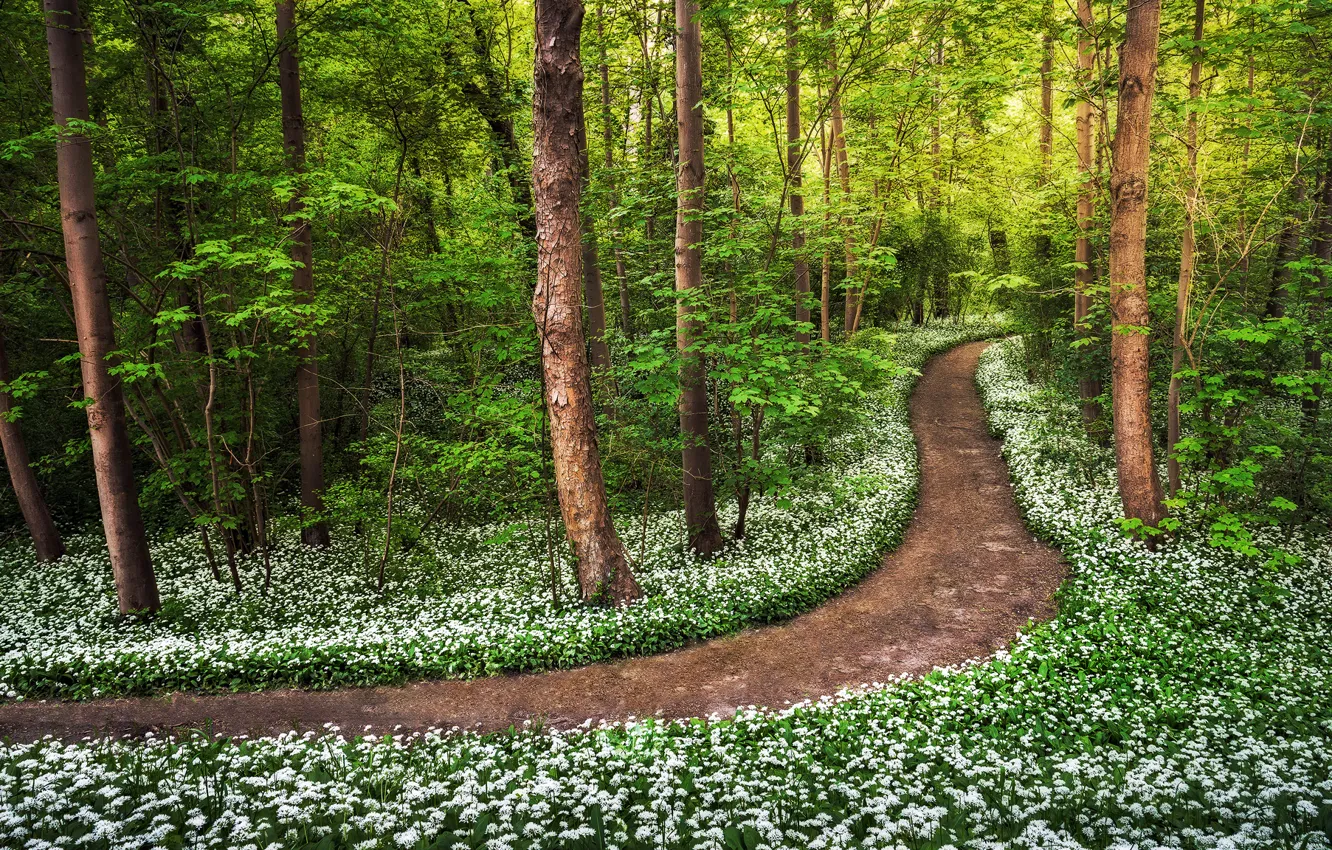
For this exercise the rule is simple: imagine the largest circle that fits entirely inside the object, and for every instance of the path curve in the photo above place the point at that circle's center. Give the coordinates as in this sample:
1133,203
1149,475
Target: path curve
967,576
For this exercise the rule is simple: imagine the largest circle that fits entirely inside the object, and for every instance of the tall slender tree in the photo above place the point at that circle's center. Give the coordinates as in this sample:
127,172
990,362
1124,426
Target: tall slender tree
126,542
844,177
315,531
593,291
608,152
1043,246
557,114
794,166
1089,386
700,503
36,515
1186,250
1317,298
1139,482
825,278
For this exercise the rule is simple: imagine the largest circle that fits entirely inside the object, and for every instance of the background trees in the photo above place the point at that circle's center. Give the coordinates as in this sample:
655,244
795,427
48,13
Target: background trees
951,184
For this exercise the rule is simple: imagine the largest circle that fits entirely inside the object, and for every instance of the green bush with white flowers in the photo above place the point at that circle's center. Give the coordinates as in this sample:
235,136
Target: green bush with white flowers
1179,700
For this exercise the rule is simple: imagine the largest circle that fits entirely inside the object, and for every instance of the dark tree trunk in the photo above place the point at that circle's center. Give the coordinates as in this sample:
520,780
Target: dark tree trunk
794,164
999,251
493,102
302,251
27,493
593,292
126,542
1043,246
852,309
1186,250
1089,386
603,569
1287,249
700,504
1322,251
1139,482
825,277
608,142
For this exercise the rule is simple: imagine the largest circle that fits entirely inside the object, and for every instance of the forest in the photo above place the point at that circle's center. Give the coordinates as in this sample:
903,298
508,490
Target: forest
698,424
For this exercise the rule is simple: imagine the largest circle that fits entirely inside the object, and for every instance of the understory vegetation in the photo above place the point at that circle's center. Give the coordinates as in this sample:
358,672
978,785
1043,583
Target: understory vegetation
476,600
1177,700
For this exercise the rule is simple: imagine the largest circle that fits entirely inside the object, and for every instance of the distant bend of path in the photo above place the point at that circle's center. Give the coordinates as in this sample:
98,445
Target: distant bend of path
967,576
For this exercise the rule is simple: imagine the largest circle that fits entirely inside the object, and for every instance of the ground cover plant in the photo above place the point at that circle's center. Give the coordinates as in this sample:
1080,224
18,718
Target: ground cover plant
472,600
1176,701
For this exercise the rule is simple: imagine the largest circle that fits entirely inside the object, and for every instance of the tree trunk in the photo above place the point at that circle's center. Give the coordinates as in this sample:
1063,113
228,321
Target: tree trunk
302,251
1089,386
1139,483
999,251
794,164
1287,249
825,291
1322,251
557,114
844,176
27,493
608,142
1044,250
700,504
593,293
1186,252
126,542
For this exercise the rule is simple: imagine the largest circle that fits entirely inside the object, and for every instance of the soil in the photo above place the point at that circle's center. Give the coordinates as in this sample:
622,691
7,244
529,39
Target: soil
967,576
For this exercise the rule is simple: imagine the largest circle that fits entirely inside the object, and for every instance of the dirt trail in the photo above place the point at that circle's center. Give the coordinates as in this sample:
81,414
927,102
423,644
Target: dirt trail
967,576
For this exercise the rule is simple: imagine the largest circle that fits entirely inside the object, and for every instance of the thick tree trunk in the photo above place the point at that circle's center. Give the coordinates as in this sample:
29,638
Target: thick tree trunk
1089,386
302,251
126,542
592,289
700,504
1186,253
27,493
794,165
1139,483
557,114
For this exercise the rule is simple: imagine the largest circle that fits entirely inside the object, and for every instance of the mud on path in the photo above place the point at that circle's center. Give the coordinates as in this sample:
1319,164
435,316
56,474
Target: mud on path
967,576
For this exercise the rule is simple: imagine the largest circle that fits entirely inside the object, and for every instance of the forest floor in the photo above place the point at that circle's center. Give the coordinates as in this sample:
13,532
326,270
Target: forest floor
967,576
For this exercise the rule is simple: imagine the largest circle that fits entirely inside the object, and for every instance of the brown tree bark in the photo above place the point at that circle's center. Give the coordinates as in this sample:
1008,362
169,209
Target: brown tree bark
1089,386
1139,483
1186,253
844,177
794,165
608,142
1288,246
557,114
700,503
126,542
36,515
593,293
302,251
1322,251
825,279
1044,249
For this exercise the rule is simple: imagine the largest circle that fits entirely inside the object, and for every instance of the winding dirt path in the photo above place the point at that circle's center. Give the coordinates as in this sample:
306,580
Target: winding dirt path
965,579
